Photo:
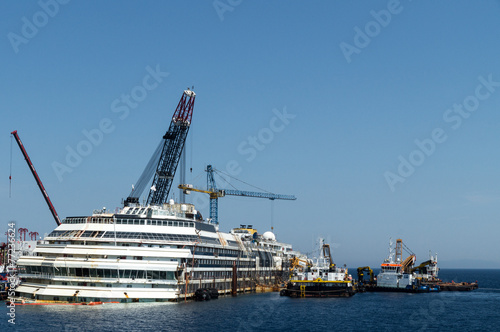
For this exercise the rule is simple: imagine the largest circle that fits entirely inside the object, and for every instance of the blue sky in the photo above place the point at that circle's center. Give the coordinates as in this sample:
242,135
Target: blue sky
382,117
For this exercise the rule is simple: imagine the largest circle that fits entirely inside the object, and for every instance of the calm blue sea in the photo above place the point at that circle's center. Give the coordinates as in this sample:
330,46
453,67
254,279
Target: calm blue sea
478,310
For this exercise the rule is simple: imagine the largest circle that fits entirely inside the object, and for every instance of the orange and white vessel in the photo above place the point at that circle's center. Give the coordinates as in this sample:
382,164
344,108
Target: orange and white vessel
394,274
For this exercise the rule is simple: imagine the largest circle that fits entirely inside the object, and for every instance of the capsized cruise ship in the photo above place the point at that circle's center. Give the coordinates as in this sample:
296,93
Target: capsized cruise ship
148,253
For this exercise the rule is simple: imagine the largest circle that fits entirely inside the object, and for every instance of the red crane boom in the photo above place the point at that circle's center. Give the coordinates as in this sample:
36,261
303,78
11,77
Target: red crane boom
38,181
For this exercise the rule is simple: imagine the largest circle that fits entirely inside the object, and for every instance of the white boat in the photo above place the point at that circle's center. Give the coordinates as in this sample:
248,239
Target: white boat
148,253
427,271
397,275
393,275
319,278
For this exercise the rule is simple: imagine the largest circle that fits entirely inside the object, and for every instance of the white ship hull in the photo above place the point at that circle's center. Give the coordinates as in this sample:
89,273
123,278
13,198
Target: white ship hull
147,254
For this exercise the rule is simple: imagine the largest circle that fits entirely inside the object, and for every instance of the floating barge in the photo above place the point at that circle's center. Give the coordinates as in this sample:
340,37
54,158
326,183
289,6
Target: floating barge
407,289
454,286
320,279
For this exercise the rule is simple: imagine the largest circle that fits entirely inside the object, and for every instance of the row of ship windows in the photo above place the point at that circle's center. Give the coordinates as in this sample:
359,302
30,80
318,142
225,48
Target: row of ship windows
222,263
89,220
104,284
153,236
216,252
121,221
221,253
76,220
154,222
140,258
97,273
217,274
119,285
76,299
132,235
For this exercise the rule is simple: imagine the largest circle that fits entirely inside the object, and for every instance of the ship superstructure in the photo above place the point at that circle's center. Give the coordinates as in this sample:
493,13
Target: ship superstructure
428,270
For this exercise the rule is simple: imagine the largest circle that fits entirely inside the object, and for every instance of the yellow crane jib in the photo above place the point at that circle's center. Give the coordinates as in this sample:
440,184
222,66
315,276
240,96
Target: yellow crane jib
361,274
296,262
213,194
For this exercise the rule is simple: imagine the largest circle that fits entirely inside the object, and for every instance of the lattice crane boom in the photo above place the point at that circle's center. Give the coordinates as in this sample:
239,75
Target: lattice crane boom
255,194
171,150
175,138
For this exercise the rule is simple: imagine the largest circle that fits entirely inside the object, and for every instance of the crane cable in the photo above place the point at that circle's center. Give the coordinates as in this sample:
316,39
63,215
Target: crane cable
10,174
408,250
232,177
223,179
272,201
191,153
197,177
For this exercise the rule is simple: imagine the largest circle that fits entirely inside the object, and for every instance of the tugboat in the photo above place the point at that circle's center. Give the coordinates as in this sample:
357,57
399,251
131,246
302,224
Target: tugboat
396,274
319,279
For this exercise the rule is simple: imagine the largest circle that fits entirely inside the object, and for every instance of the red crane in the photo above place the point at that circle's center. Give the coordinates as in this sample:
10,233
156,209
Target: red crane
38,181
33,236
22,231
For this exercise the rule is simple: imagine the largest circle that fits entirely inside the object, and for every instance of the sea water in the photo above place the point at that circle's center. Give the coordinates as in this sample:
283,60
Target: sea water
478,310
